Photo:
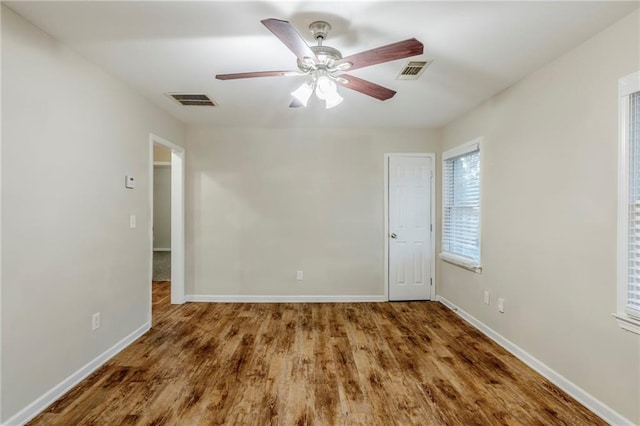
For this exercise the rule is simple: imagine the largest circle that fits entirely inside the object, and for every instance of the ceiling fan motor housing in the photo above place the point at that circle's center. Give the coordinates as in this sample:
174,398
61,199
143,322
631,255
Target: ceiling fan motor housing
326,58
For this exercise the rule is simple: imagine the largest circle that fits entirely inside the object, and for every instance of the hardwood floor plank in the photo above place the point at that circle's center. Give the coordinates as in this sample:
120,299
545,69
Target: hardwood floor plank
313,364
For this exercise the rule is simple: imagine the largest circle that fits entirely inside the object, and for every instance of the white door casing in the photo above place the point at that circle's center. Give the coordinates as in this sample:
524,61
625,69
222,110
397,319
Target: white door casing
409,230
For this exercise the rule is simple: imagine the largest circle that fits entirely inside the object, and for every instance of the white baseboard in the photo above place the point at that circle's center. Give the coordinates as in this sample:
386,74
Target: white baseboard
162,249
281,299
595,405
37,406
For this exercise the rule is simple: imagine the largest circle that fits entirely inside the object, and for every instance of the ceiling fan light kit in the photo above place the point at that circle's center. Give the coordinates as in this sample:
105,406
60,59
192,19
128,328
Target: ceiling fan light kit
325,64
324,86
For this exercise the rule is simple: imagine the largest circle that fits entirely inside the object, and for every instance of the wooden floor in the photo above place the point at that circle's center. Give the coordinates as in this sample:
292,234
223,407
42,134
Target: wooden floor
296,364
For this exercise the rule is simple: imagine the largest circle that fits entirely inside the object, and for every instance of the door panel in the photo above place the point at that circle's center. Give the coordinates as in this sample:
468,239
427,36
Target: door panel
410,234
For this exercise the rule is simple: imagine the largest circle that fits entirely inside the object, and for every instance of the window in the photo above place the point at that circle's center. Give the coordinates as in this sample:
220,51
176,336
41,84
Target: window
629,204
461,206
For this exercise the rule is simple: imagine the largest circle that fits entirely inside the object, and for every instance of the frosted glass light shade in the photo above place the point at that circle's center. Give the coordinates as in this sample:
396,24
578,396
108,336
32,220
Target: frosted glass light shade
325,88
303,93
334,100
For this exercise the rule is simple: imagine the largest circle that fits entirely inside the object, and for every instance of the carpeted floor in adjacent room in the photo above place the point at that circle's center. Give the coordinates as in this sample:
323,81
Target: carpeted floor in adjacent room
161,266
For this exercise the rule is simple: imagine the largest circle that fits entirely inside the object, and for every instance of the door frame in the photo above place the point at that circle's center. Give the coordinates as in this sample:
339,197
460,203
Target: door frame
177,219
387,157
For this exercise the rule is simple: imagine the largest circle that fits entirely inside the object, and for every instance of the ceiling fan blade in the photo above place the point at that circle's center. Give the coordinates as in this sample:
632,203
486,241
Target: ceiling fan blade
290,37
390,52
366,87
256,74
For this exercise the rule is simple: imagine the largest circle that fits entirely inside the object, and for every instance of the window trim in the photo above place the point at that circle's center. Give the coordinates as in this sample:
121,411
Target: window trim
454,259
626,86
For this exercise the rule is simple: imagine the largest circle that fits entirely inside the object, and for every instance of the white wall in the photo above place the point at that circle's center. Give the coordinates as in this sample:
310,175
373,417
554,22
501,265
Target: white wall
70,134
162,207
263,203
549,217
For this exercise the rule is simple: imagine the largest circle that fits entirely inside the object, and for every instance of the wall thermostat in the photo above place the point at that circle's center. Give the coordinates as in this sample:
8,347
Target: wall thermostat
129,182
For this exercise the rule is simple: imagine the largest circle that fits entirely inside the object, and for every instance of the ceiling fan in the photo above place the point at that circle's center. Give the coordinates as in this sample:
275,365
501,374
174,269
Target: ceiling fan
325,65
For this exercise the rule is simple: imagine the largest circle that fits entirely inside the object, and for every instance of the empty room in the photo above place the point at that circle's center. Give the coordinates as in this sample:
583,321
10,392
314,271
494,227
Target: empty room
320,213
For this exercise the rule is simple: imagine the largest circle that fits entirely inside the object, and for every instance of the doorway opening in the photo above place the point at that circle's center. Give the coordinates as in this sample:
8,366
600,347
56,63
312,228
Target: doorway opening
161,214
166,233
409,226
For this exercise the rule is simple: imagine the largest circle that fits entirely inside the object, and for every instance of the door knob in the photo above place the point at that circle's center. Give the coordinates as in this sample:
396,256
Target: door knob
394,236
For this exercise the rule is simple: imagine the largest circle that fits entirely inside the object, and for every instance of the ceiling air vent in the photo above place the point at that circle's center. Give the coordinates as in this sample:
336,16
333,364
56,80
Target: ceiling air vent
413,70
191,99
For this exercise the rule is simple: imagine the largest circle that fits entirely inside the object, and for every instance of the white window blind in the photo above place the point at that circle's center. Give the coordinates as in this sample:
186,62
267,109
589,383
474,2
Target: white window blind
628,306
461,206
633,236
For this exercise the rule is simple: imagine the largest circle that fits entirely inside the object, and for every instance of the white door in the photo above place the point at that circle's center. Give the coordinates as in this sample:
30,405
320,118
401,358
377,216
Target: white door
409,227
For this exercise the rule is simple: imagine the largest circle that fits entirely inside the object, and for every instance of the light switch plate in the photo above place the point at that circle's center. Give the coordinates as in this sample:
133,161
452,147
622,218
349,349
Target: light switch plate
95,321
132,221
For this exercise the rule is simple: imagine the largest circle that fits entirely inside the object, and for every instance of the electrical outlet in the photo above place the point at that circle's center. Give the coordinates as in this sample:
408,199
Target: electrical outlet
501,305
132,221
299,275
95,321
486,297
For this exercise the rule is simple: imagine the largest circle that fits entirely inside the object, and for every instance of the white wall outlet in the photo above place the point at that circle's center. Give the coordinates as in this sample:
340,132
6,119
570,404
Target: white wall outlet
95,321
486,297
299,275
129,182
501,305
132,221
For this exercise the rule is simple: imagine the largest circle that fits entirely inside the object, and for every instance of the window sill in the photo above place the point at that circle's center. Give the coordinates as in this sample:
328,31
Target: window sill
628,323
461,262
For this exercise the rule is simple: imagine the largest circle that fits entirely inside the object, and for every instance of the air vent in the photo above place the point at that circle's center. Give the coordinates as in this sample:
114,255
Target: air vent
413,70
191,99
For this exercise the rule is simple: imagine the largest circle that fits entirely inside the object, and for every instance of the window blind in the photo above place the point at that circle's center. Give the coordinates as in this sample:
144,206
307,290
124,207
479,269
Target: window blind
461,207
633,273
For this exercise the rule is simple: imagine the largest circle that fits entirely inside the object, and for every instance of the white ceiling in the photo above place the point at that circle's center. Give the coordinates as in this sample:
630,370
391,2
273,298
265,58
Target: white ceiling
477,48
